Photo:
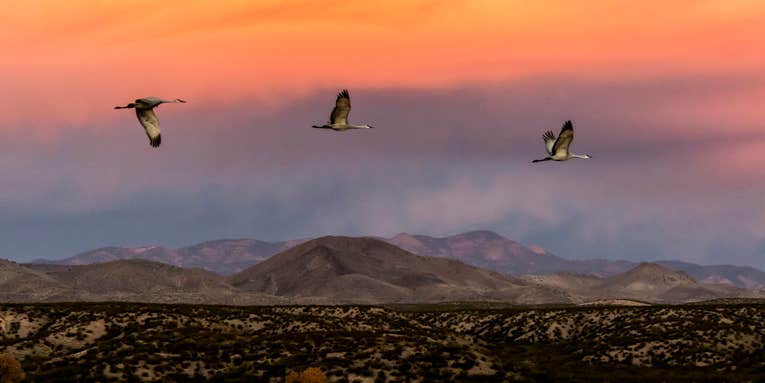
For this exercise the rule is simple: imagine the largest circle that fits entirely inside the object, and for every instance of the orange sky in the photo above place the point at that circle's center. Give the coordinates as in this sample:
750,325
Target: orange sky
71,58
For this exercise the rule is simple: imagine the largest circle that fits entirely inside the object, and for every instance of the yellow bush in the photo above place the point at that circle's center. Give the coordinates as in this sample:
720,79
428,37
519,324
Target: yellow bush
10,369
310,375
292,377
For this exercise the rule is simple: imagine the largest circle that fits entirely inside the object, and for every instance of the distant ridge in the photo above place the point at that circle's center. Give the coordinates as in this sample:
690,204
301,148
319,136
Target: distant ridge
222,256
485,249
344,270
480,248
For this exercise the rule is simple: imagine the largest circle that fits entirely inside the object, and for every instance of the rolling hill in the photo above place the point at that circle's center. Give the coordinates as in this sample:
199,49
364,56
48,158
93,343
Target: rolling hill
647,282
133,280
368,270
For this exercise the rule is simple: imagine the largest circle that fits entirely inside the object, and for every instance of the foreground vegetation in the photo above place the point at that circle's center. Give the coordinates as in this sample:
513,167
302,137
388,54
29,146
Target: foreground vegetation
146,342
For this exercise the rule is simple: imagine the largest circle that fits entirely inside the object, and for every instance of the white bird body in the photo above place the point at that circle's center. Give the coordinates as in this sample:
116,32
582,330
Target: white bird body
558,148
338,119
144,110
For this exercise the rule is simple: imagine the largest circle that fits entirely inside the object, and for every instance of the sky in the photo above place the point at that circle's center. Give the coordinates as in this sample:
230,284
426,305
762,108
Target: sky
667,98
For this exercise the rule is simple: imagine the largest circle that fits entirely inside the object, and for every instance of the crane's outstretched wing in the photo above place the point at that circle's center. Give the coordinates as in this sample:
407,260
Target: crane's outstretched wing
150,123
549,139
564,139
342,108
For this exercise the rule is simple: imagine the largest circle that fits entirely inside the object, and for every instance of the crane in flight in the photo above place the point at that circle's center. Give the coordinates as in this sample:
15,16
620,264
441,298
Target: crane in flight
338,119
144,109
557,148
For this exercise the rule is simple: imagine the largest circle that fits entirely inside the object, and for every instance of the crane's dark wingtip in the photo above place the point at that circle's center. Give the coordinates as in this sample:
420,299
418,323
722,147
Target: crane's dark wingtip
155,142
343,94
568,125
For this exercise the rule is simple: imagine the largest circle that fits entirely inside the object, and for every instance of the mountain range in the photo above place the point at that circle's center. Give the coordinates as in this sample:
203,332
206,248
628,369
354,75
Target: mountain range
224,256
338,270
491,250
483,249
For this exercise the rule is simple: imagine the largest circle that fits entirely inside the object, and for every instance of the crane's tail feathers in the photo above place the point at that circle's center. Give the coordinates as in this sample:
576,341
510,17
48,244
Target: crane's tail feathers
155,141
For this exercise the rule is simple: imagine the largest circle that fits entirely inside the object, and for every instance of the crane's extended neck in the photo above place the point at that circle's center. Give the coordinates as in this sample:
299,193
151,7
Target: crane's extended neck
177,100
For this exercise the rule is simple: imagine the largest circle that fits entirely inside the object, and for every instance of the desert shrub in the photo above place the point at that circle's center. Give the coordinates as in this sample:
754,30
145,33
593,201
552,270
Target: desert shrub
467,364
292,377
381,377
310,375
10,369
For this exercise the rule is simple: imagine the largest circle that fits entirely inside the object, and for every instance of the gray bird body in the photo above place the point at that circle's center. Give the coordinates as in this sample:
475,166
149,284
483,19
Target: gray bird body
338,119
144,110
